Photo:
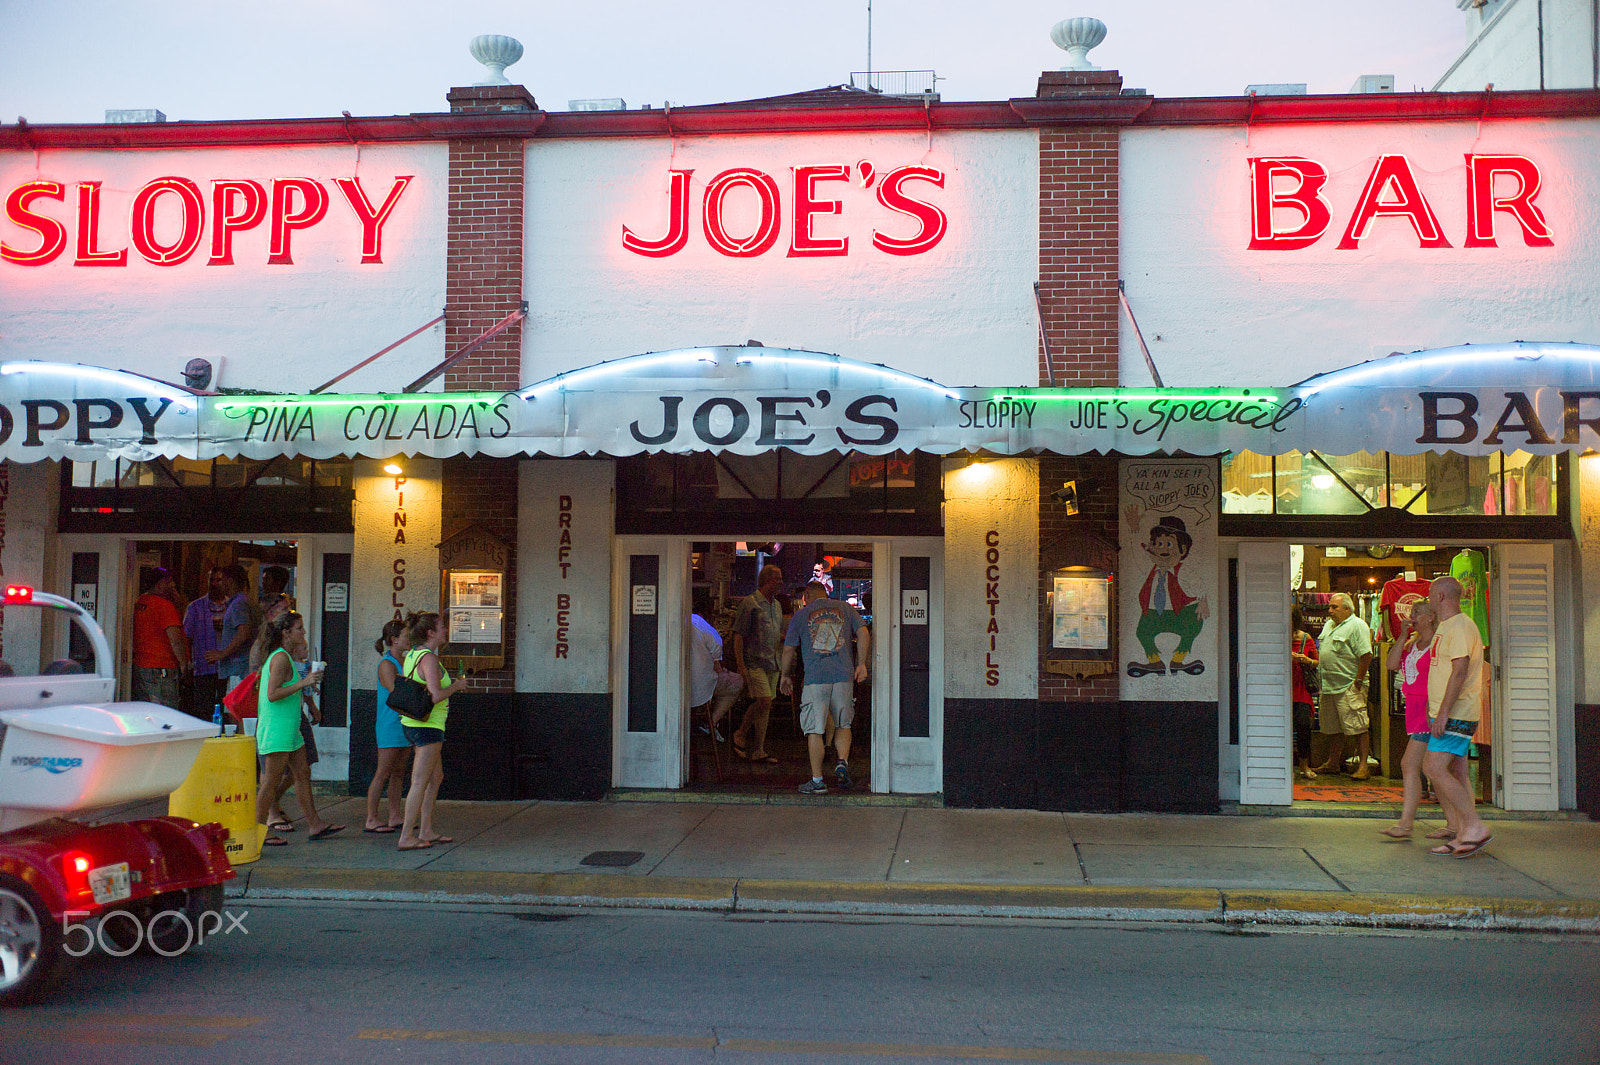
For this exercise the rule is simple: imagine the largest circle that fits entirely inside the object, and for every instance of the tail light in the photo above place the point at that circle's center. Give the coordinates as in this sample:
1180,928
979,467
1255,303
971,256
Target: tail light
75,866
18,593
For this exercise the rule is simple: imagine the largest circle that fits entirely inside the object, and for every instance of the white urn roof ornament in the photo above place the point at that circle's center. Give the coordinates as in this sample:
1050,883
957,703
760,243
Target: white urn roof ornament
1076,36
496,53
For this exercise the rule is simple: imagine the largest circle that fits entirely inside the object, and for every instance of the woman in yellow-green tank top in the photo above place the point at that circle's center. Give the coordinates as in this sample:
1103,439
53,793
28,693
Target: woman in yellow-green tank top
428,634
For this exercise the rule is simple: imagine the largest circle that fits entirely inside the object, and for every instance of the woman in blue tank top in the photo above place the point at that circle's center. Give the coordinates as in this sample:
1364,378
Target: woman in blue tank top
394,750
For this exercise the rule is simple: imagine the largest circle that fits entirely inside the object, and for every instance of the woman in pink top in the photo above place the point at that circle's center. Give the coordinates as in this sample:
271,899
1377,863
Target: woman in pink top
1409,656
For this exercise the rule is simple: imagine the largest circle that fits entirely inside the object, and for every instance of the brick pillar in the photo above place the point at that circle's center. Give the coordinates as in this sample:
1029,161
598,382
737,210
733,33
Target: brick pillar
1078,204
1088,538
483,284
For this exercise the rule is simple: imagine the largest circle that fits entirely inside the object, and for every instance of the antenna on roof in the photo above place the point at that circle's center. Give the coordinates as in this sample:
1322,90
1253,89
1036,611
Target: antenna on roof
869,45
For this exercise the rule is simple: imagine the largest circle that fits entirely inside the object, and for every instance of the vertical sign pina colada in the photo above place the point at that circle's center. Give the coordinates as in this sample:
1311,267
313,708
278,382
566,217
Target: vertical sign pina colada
808,199
168,217
1292,185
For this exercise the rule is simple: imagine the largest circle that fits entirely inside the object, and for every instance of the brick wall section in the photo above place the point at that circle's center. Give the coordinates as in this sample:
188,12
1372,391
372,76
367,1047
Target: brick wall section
483,267
1078,204
483,492
1088,538
1078,270
483,284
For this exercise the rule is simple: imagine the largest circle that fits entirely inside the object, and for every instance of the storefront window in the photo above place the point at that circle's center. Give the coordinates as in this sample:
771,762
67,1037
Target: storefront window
780,491
222,495
1431,484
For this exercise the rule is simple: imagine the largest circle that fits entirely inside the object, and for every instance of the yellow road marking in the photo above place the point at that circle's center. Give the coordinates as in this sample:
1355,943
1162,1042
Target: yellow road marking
157,1019
69,1033
787,1046
564,1039
932,1050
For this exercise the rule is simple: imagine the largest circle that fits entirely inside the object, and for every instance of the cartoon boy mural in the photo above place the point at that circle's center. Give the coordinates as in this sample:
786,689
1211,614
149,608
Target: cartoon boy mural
1163,604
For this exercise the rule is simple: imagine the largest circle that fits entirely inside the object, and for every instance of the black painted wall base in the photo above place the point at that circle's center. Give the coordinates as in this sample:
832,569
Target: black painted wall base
1587,721
1032,755
505,745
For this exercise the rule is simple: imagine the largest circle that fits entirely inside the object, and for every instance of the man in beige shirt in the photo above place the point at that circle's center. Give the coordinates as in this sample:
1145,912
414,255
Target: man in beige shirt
1455,701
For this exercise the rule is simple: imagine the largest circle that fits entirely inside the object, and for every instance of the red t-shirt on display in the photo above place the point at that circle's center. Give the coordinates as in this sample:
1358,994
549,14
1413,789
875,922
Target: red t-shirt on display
153,615
1396,601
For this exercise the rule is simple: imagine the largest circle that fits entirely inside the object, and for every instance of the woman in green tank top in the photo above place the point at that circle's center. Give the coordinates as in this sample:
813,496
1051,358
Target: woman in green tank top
428,633
278,729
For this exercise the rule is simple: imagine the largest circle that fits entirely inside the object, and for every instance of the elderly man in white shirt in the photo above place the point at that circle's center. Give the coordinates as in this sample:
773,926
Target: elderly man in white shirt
709,682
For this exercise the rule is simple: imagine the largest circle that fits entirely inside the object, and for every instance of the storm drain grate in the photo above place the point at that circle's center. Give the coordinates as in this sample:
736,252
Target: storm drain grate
613,859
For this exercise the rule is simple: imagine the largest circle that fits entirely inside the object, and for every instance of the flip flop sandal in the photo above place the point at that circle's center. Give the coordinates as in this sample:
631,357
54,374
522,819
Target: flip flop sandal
383,830
1446,849
1467,850
280,826
419,846
442,839
1441,833
326,832
274,841
1392,834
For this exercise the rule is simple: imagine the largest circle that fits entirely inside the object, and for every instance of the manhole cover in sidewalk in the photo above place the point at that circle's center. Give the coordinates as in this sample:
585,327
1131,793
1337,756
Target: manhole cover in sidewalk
615,859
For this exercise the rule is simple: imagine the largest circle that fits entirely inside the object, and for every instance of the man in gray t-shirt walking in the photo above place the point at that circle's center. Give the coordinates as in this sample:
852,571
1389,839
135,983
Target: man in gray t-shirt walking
822,629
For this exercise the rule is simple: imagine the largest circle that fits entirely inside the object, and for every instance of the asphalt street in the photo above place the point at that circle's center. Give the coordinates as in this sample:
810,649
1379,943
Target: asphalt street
356,982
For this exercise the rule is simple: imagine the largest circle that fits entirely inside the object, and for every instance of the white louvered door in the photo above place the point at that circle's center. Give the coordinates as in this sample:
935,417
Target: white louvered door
1524,658
1266,747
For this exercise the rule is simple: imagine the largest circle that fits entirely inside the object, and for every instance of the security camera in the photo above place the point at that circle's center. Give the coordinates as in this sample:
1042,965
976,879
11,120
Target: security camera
1067,496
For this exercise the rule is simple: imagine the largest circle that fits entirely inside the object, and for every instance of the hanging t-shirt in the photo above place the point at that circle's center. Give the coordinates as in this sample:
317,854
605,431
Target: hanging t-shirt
1469,568
1396,601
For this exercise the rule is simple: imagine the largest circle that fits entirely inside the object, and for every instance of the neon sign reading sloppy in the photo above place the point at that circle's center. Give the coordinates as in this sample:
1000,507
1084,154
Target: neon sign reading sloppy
807,202
236,205
1391,190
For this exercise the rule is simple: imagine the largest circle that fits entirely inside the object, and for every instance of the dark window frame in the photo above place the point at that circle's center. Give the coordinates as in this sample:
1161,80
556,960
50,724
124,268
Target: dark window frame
173,507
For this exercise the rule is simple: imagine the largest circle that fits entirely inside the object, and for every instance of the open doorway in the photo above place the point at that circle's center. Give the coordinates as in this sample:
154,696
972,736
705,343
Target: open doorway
269,565
1383,582
739,752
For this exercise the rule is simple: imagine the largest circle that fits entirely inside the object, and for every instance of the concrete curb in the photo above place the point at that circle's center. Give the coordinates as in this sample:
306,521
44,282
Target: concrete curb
732,895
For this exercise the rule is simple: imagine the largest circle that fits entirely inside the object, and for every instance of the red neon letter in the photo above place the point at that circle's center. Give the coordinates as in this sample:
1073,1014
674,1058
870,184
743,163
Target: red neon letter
189,233
1393,171
372,221
801,241
1305,197
285,219
226,220
932,219
1482,203
766,232
89,230
52,234
677,223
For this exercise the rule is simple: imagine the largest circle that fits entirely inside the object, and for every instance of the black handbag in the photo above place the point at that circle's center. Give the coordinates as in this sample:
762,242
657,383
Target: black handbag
410,698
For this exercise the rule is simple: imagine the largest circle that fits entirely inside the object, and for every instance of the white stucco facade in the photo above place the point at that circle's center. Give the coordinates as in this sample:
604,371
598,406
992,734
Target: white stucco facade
285,326
1214,311
1526,44
961,312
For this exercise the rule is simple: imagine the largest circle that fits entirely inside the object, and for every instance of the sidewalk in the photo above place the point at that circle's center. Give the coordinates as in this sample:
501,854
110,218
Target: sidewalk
817,857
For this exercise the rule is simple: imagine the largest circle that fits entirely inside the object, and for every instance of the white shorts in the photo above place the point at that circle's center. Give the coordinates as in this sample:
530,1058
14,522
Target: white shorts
816,700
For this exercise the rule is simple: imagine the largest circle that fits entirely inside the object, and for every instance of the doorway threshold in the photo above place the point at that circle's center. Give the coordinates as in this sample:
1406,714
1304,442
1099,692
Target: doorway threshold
748,796
1389,811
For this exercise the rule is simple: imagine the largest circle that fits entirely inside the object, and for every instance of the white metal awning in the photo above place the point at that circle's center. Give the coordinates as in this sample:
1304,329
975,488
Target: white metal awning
1541,398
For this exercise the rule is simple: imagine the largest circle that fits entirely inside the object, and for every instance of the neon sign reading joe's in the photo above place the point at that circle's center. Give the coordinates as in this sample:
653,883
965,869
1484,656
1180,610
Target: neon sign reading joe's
807,199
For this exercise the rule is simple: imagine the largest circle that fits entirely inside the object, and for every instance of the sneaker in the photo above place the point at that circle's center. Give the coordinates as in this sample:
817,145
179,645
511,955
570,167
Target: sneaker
813,787
841,776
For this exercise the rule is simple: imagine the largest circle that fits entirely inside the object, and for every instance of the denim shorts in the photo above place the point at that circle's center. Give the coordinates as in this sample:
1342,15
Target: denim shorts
422,735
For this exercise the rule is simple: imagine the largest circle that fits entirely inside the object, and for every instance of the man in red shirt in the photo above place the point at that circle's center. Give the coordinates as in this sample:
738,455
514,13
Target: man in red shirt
160,653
